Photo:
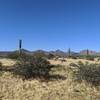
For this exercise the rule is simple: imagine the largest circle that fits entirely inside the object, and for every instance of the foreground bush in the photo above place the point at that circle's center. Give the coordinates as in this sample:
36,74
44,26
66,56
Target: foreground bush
40,54
88,72
13,55
72,57
1,68
33,67
23,56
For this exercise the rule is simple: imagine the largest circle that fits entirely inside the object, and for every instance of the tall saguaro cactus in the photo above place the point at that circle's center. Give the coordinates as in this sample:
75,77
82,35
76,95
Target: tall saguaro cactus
87,52
69,52
20,46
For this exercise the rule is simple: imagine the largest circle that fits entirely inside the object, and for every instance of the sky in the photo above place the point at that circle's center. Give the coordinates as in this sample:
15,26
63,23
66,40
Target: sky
50,24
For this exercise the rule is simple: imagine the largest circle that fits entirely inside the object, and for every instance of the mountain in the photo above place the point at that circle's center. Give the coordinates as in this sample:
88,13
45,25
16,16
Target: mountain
58,53
40,51
24,51
84,52
5,53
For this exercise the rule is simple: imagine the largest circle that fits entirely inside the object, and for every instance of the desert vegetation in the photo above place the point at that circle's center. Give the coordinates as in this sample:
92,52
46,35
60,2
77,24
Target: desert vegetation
87,72
31,66
37,77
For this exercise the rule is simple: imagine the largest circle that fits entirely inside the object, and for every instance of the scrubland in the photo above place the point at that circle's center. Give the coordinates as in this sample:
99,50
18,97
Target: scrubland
62,87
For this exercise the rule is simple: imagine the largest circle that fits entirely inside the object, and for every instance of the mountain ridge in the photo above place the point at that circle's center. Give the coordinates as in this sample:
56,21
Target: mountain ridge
55,52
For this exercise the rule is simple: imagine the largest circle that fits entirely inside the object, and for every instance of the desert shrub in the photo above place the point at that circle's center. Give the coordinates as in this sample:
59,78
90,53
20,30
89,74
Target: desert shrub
1,68
98,58
87,57
72,57
34,67
23,56
0,64
88,72
81,56
13,55
90,57
50,56
23,70
40,54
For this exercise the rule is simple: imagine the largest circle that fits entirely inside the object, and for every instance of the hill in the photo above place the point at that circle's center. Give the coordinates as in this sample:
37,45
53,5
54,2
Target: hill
55,53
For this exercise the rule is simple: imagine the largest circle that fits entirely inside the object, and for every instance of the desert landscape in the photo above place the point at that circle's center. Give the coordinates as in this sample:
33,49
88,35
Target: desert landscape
49,50
62,87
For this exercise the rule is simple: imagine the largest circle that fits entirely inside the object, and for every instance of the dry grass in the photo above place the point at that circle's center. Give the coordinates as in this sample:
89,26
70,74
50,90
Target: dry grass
68,61
7,62
12,88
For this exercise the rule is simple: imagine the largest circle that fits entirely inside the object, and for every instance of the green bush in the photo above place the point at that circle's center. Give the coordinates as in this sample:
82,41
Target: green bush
23,56
40,54
87,57
34,67
87,72
13,55
90,57
72,57
1,66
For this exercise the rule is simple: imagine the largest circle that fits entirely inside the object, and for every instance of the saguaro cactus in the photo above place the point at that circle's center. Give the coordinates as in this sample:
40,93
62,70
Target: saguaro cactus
87,52
69,52
20,46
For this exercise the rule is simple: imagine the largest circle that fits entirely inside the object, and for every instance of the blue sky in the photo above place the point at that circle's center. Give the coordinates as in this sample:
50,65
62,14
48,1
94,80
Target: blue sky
50,24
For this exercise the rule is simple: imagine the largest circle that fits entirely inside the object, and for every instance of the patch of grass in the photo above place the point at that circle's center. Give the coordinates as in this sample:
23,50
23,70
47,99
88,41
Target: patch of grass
59,67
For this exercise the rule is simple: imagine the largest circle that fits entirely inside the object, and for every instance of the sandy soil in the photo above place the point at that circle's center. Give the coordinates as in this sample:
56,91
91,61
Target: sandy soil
7,62
68,61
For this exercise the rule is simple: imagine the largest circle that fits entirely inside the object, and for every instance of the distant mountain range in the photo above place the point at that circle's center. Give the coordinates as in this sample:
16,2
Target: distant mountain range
84,52
56,52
